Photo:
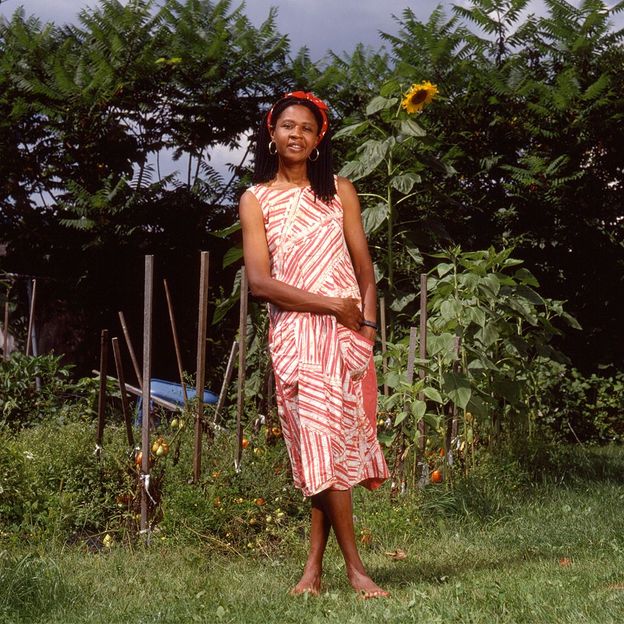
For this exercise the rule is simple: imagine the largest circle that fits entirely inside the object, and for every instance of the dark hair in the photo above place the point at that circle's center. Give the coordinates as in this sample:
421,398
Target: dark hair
320,171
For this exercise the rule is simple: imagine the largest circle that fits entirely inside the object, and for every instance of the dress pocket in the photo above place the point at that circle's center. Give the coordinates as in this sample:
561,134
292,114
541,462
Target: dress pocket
357,352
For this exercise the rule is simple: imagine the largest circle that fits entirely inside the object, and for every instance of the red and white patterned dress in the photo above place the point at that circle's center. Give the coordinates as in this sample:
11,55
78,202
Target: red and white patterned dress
319,364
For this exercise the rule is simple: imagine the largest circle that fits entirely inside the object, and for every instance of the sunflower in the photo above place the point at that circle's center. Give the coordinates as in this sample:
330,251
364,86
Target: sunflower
418,96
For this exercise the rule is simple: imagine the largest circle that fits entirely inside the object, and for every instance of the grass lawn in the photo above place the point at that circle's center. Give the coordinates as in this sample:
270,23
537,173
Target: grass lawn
551,553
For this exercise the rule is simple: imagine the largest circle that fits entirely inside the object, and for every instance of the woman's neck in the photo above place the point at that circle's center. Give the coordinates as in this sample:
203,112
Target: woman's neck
297,176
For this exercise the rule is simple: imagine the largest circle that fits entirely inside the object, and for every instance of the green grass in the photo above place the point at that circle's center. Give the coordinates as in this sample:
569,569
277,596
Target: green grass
489,552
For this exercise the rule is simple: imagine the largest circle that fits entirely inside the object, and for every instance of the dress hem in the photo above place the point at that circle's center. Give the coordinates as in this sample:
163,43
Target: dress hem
370,483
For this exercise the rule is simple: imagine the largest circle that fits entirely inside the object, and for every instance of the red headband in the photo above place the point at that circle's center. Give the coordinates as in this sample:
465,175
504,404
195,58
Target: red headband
302,95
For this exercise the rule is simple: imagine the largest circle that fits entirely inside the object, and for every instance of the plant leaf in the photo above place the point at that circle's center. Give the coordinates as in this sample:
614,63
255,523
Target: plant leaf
458,388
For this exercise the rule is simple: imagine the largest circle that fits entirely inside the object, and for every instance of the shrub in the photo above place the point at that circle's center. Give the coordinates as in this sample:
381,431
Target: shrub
37,388
52,483
16,484
575,407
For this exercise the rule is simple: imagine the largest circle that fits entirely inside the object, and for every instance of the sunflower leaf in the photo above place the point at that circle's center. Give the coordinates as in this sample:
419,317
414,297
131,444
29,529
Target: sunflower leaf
351,130
379,103
405,182
411,128
374,216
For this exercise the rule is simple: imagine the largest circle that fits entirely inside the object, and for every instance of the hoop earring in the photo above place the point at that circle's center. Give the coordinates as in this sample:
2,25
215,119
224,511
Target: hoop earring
274,146
316,157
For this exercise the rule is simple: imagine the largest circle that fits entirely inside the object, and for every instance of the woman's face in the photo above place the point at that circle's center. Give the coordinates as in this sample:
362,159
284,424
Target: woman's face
295,133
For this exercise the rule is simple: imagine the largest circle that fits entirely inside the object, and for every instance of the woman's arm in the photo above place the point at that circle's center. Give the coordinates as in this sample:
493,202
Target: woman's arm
358,250
263,286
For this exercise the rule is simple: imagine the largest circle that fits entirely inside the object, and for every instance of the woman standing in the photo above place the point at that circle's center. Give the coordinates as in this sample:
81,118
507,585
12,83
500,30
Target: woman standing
306,254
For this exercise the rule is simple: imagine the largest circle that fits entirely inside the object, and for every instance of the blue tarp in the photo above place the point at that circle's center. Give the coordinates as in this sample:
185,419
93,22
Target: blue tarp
172,392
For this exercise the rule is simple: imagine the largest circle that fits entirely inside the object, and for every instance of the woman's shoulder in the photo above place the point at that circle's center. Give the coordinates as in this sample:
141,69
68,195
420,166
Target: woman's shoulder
254,189
344,187
257,193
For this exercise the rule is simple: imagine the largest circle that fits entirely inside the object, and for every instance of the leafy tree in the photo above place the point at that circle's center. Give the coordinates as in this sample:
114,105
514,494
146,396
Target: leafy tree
87,111
530,123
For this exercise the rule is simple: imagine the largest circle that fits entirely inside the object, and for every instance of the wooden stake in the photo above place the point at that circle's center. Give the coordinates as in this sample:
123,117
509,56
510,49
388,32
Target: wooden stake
148,299
456,369
242,356
172,407
270,384
384,355
125,408
423,353
102,392
176,343
411,354
31,316
202,326
133,357
5,351
226,381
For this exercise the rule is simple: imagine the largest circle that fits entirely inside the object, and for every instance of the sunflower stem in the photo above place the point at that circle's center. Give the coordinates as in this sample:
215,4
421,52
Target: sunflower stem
390,235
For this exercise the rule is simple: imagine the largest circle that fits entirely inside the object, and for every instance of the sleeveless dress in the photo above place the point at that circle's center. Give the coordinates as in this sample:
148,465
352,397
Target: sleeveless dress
324,372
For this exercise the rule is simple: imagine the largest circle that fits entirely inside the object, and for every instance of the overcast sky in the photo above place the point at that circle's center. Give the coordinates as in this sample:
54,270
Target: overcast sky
321,25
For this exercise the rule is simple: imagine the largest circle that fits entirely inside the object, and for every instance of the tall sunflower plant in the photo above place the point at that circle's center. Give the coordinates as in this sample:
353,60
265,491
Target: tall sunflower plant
393,153
392,160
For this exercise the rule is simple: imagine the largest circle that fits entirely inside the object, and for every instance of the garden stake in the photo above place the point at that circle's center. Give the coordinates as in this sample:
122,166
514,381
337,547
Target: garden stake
423,354
5,351
102,392
270,384
172,407
202,324
384,356
398,469
148,299
451,432
457,367
176,343
32,332
242,354
226,382
411,356
31,317
133,358
122,391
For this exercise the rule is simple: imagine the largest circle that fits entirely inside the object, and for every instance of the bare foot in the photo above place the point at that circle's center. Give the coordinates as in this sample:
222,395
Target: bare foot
310,583
366,587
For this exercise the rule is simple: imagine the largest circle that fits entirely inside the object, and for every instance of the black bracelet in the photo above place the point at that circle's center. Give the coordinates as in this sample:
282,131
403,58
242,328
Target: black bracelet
370,324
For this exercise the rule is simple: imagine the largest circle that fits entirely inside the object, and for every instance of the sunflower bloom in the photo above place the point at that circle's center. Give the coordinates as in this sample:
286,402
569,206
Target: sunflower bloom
419,96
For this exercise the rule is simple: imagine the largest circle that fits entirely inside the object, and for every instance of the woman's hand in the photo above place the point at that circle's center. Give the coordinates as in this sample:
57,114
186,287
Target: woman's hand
348,313
368,332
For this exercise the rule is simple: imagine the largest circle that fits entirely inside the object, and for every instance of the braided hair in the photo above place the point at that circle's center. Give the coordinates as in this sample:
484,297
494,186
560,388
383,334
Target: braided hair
320,171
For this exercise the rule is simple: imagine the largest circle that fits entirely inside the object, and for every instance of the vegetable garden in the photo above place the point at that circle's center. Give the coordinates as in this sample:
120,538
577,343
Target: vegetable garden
485,149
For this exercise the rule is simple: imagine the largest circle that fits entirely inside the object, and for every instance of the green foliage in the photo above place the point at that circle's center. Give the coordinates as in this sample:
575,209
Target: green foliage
16,487
86,112
574,407
395,151
529,109
54,486
33,389
250,510
488,336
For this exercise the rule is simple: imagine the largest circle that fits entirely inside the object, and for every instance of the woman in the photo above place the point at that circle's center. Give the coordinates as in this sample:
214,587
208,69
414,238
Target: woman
306,254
